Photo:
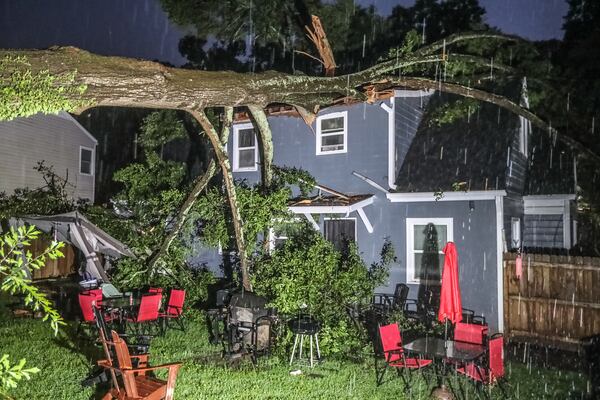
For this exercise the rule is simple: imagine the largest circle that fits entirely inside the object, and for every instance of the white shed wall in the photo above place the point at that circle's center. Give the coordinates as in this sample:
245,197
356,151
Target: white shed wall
56,139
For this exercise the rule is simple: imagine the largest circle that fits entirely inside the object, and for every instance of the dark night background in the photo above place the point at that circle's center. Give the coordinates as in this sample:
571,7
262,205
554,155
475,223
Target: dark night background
141,29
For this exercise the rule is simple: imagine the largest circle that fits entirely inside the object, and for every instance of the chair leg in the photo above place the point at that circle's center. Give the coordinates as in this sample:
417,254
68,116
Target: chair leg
294,349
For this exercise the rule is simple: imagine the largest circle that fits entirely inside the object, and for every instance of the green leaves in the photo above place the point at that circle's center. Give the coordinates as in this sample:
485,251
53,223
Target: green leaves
24,92
10,375
13,278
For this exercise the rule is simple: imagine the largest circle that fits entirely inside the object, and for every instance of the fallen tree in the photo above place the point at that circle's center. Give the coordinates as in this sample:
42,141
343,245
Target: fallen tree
90,80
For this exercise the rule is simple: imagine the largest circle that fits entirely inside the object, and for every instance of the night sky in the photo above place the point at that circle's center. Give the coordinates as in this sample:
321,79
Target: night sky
139,28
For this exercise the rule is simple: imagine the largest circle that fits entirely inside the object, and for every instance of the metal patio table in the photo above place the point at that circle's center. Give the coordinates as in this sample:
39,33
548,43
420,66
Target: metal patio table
444,350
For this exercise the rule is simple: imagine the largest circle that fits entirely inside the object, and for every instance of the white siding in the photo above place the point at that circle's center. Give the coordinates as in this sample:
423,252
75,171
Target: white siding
53,138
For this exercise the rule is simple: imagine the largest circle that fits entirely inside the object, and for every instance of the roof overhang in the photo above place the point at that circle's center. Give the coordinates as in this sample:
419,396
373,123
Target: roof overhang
308,210
331,209
418,197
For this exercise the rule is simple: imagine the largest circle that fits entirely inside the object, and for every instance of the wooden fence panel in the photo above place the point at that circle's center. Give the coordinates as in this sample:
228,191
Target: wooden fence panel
54,268
556,299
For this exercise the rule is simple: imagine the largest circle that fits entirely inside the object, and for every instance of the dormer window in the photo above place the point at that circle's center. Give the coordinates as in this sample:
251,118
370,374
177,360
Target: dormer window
245,149
332,133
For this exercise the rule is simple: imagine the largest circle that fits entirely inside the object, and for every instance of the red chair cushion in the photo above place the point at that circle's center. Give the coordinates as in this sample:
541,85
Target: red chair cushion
470,333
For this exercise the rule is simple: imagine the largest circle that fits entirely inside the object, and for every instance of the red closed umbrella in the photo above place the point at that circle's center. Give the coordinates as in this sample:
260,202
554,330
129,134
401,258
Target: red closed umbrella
450,303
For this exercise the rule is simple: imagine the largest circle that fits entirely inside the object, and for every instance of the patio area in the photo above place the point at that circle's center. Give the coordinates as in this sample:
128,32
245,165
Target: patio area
65,360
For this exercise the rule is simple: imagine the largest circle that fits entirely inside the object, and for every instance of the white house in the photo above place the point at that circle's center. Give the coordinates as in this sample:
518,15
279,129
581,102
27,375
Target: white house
60,141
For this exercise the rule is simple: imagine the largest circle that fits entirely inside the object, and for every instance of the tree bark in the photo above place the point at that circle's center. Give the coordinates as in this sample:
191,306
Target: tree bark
118,81
199,185
219,143
266,144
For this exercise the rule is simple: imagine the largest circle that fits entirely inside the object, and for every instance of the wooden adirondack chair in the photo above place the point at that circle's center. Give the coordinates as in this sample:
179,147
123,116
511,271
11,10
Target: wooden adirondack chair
135,384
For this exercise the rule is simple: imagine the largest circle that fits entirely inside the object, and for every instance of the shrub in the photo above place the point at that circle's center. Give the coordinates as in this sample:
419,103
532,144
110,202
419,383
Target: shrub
309,272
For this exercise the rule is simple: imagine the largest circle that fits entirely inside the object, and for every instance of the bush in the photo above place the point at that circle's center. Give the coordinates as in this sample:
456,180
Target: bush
309,272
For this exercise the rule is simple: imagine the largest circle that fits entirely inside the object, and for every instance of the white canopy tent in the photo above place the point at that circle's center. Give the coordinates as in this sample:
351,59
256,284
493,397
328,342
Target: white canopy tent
74,228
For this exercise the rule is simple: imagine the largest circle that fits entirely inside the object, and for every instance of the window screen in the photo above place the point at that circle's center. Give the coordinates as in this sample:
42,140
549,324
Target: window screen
85,161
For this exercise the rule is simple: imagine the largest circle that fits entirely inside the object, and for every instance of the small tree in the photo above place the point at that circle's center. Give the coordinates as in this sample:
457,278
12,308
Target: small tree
14,260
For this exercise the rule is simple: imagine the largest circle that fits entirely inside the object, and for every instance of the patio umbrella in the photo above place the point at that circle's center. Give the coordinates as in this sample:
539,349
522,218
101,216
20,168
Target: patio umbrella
450,302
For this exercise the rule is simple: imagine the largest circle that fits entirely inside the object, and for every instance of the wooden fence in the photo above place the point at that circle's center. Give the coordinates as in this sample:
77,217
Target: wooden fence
555,301
54,268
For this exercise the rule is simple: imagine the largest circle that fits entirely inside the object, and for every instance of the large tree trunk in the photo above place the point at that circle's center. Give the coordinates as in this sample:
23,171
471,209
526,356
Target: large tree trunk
118,81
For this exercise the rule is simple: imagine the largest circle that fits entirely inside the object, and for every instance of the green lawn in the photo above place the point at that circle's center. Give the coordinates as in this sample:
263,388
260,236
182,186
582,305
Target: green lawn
65,362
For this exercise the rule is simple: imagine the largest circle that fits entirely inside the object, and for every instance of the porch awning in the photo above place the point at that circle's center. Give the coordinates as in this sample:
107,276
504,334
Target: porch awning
334,204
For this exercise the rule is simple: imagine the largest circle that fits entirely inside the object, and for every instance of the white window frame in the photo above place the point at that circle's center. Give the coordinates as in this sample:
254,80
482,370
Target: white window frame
524,130
344,115
333,218
273,238
410,243
92,160
236,149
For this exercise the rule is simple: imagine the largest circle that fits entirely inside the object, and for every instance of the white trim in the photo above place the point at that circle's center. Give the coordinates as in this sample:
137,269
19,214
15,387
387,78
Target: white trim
412,93
417,197
567,225
365,220
410,243
344,116
236,154
342,218
391,112
331,209
312,221
500,261
533,199
370,182
66,115
92,160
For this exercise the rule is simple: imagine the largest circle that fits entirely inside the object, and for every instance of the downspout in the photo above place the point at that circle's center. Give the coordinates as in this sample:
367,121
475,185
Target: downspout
391,141
500,261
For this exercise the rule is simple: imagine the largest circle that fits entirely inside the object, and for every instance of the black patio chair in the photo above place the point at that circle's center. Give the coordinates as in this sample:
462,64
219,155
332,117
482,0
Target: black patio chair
422,309
387,303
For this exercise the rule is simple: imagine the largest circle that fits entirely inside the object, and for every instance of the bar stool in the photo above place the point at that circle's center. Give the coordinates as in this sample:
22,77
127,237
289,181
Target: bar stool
302,326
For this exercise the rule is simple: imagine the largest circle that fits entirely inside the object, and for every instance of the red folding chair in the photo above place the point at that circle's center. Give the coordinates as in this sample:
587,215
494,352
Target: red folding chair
87,301
154,290
147,313
174,310
470,333
494,358
391,343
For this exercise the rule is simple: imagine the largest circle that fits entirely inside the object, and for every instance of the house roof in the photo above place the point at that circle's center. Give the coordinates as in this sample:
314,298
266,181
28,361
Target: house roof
473,154
468,154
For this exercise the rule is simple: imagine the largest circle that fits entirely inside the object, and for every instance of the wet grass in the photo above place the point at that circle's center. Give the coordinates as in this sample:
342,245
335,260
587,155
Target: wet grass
65,361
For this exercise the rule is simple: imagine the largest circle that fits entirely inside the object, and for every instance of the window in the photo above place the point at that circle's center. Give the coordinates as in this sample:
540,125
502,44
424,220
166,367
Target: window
515,233
332,133
245,149
86,161
425,241
282,231
340,232
524,129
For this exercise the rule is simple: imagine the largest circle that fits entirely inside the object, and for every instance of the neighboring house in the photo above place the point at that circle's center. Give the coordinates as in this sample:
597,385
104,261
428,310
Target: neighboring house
421,186
58,140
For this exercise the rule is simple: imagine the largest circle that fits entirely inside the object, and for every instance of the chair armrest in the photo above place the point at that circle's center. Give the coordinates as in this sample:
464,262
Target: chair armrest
148,369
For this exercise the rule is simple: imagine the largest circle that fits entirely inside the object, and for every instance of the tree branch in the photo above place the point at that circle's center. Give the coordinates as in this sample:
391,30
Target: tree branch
221,152
501,101
266,140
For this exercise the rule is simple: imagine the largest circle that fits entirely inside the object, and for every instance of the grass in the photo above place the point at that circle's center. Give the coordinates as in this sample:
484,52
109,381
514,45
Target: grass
65,361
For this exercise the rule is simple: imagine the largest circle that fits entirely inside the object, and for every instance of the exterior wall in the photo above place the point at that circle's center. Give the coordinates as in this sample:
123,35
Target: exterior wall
475,238
294,145
543,231
474,232
56,139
